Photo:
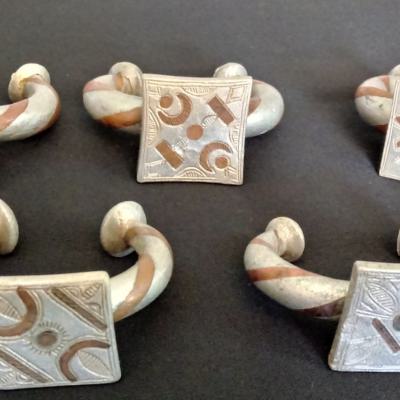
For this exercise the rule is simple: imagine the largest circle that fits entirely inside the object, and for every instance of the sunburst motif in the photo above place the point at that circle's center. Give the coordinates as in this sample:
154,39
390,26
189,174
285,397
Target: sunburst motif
48,338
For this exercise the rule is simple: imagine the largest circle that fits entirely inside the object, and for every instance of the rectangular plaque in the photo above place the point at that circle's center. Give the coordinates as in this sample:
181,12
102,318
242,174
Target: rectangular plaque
193,129
368,335
56,330
390,164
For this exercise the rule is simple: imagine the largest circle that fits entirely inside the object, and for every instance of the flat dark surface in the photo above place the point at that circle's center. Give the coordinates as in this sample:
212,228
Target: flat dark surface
211,335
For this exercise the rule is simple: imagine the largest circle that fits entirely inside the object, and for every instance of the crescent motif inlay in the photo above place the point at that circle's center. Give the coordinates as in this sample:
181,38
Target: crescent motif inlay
27,321
186,109
70,353
208,149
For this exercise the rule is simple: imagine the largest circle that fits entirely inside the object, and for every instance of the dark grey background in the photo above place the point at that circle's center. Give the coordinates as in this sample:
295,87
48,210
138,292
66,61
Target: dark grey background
211,335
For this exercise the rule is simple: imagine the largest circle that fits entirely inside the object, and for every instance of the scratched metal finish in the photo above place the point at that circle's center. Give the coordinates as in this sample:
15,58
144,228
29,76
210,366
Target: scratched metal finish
390,164
368,335
56,330
193,129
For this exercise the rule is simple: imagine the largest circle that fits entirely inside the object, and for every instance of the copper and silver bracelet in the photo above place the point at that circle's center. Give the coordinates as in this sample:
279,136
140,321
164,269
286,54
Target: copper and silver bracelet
35,107
192,129
59,329
367,306
116,99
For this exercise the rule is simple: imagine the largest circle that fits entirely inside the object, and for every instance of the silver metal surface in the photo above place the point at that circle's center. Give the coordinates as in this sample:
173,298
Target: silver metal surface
193,129
368,335
390,164
56,330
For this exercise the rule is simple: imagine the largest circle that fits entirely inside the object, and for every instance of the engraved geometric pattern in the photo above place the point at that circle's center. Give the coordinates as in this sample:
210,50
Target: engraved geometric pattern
56,330
368,335
193,129
390,163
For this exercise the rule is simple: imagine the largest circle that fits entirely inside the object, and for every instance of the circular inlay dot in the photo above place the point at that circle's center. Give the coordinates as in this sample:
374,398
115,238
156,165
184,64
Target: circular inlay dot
221,162
194,132
46,338
166,101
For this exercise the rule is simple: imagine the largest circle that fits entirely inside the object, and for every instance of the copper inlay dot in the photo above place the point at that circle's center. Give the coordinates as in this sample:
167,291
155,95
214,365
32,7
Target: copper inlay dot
166,101
46,338
194,132
221,162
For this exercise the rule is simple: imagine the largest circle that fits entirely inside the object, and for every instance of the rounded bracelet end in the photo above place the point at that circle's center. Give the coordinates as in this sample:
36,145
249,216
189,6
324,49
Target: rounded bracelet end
230,70
116,223
130,77
17,82
290,236
395,71
9,231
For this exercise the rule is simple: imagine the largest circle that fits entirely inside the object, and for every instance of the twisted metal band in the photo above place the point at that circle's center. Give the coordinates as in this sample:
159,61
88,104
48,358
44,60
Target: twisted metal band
36,105
124,230
115,99
267,261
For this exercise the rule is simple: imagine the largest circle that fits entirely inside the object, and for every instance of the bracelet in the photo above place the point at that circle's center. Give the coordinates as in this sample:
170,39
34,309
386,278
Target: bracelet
366,337
58,329
36,105
193,129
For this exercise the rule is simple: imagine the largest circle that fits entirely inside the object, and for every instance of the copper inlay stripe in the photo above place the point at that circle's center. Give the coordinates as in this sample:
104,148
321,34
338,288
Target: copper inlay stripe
22,367
253,104
144,278
182,116
70,353
386,335
96,85
171,156
386,81
269,273
372,91
118,81
221,109
77,308
328,310
28,320
12,113
124,118
146,231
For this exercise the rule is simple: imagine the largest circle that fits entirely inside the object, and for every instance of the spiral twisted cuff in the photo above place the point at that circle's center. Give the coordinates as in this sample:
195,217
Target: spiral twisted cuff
35,107
124,230
267,261
374,99
115,99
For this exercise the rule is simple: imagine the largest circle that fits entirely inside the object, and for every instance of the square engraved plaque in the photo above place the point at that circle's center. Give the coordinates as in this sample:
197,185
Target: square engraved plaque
193,129
368,335
56,330
390,163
